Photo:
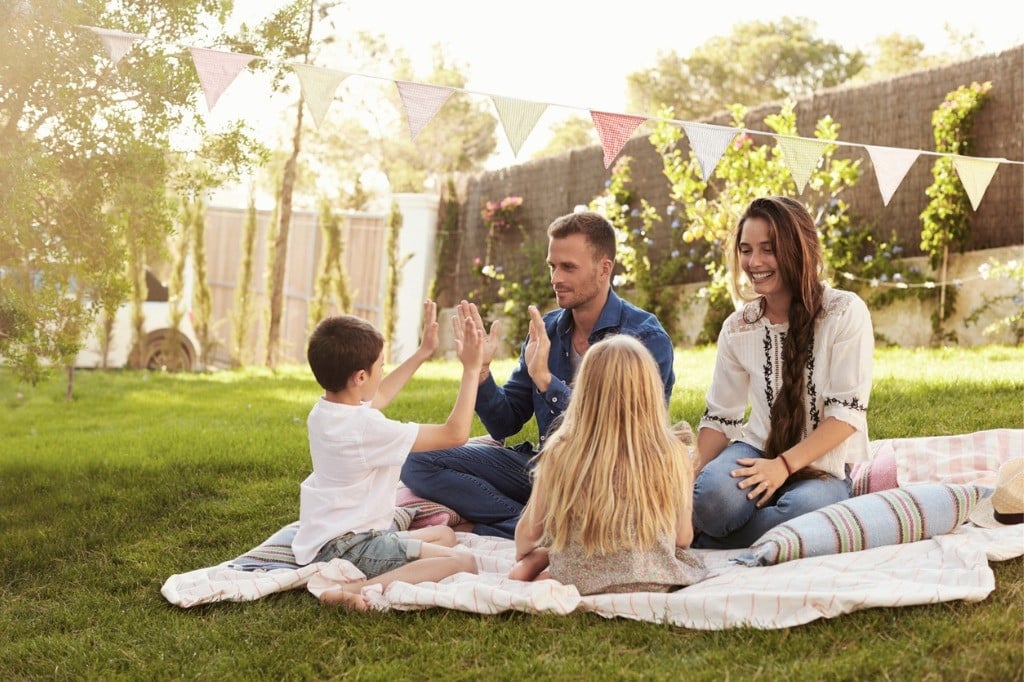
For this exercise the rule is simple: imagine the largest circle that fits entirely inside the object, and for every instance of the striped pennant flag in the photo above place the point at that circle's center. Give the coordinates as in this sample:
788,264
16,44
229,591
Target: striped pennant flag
518,118
318,87
708,142
802,156
975,174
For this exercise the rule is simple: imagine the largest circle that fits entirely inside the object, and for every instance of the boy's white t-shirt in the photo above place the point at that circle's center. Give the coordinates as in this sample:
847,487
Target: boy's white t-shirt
357,457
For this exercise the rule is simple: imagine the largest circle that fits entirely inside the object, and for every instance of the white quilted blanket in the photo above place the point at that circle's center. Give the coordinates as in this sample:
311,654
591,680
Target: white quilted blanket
944,568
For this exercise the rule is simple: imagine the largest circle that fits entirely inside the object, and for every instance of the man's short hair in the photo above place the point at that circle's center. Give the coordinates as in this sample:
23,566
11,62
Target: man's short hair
595,227
339,347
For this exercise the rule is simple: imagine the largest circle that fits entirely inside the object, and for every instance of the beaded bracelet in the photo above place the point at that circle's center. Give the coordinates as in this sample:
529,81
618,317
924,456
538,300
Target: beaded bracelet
789,469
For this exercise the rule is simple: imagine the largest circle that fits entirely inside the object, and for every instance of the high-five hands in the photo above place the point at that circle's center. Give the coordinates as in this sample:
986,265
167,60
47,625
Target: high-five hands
467,312
538,348
469,343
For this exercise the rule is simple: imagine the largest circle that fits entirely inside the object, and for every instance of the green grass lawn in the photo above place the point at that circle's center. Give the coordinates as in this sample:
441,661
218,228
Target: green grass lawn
146,475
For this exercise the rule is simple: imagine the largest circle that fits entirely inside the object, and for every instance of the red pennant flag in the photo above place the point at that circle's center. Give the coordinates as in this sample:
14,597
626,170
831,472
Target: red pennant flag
614,131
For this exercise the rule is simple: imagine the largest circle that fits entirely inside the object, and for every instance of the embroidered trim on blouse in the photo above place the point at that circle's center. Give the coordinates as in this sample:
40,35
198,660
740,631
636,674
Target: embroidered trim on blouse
769,393
721,420
812,390
853,404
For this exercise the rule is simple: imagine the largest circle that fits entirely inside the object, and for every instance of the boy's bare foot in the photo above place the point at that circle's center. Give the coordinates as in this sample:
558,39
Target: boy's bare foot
351,600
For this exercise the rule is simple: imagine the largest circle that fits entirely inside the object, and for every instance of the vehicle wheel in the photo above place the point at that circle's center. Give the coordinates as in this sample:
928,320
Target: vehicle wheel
168,350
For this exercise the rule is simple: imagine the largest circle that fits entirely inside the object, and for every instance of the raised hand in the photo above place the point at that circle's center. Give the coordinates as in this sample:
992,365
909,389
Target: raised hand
538,348
492,339
430,342
469,343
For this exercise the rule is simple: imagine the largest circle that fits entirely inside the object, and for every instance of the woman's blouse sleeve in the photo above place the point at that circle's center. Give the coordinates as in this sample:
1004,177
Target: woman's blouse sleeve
848,385
726,402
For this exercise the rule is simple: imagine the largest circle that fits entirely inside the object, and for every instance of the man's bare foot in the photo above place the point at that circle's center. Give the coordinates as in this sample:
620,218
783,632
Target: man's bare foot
464,527
351,600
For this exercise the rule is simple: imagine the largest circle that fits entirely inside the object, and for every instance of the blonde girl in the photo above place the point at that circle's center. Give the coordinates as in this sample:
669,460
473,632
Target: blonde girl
611,499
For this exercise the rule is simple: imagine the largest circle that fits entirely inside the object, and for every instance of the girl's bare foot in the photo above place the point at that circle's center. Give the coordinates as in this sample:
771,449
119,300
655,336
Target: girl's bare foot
351,600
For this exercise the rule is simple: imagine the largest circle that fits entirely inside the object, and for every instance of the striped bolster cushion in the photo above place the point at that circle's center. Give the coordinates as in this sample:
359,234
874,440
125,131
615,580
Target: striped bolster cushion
888,517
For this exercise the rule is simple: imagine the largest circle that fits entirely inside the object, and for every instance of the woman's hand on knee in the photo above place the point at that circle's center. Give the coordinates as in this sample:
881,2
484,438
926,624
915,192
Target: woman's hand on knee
762,477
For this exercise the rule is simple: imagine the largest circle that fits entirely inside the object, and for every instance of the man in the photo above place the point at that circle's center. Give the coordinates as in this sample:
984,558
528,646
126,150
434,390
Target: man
489,484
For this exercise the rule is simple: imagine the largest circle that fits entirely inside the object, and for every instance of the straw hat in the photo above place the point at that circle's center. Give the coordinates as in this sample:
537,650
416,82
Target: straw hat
1005,506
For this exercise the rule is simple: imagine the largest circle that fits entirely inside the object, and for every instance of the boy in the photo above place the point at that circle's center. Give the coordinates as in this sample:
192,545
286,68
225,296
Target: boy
347,504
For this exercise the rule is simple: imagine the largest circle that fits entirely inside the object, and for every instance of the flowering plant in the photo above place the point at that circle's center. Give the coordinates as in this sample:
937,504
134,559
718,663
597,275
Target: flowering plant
501,216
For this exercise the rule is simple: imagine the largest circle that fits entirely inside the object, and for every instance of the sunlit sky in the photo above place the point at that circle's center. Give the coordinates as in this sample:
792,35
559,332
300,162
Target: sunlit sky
576,56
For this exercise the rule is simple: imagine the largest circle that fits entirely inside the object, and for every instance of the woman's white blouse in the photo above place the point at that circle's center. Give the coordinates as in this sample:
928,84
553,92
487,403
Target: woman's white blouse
748,371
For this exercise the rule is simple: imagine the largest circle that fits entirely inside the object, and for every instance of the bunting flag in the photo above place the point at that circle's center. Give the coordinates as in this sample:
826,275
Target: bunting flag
614,131
518,118
802,156
318,87
217,70
975,174
421,102
891,166
708,142
118,43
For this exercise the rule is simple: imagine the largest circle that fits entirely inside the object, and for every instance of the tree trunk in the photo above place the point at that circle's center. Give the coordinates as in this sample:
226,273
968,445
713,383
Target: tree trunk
284,226
281,246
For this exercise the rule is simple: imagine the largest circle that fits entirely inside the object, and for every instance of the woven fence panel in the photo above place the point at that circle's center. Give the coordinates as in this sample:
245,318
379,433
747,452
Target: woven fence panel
895,113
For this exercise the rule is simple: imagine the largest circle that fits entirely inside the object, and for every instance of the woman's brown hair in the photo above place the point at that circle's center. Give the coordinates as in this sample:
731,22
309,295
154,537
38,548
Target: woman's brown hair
797,251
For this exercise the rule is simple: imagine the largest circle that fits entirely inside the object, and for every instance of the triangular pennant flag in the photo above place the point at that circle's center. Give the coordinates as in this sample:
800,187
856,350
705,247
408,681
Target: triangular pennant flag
975,174
117,42
802,155
891,166
518,117
318,86
614,131
217,70
421,101
708,143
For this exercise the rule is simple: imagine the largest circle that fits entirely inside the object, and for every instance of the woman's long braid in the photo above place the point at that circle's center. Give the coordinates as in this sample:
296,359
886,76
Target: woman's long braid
801,262
788,414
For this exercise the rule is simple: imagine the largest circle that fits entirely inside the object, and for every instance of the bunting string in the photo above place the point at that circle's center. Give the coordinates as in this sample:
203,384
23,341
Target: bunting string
217,69
875,282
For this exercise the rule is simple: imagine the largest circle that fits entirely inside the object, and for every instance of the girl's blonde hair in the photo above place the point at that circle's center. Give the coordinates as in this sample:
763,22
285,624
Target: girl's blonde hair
613,475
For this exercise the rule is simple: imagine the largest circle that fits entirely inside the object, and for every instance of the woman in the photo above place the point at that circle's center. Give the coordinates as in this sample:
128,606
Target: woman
799,354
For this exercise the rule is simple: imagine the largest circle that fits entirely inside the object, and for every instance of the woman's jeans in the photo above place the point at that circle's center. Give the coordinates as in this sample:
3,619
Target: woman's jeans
724,518
486,484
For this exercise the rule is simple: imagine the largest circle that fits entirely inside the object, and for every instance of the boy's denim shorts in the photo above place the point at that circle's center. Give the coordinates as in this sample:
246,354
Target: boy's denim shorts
374,551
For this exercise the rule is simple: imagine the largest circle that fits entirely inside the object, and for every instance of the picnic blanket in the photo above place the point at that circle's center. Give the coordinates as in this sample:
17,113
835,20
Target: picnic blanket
952,566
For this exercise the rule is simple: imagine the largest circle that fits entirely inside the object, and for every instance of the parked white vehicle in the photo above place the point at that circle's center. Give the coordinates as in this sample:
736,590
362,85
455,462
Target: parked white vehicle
160,335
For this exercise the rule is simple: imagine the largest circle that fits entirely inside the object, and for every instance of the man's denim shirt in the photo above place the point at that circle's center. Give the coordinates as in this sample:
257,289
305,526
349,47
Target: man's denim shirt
504,410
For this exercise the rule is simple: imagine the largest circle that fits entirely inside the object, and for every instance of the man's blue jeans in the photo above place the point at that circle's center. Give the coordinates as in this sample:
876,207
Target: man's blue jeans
724,518
486,484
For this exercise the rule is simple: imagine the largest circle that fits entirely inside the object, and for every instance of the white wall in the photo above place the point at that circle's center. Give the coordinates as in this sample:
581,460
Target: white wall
416,239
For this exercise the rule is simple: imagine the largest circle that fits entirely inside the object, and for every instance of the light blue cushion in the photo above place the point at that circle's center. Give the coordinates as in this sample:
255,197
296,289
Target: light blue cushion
888,517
